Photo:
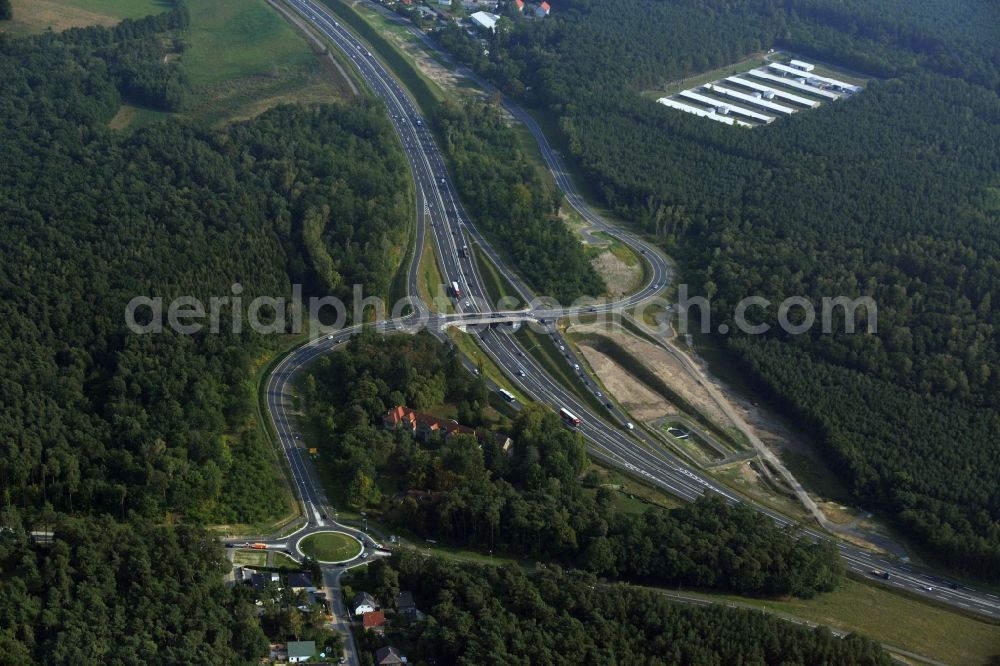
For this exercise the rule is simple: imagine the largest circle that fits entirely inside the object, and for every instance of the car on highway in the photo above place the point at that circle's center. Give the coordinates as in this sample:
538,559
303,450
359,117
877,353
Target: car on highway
630,425
521,373
598,394
927,588
576,366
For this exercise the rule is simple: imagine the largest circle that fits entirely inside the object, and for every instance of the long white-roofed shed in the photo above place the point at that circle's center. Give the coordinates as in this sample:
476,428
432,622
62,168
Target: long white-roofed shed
485,20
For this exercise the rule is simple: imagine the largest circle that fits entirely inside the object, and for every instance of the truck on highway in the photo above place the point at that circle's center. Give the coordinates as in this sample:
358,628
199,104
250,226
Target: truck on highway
507,395
463,251
259,546
568,417
456,292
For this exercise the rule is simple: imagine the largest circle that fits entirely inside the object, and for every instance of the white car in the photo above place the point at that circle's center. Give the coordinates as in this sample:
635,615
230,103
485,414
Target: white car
630,426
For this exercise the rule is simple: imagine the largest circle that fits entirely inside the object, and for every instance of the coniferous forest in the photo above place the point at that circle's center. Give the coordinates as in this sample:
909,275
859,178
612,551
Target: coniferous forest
891,194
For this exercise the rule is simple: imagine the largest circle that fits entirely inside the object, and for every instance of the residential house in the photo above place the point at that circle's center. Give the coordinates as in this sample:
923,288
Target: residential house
374,621
260,581
543,10
300,581
300,651
363,603
519,5
423,426
388,656
405,602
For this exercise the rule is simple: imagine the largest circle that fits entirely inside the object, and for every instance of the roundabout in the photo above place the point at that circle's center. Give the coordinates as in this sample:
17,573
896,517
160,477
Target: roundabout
329,547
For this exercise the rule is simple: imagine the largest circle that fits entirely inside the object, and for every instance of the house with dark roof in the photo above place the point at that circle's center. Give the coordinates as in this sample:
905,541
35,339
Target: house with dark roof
300,581
388,656
260,581
405,602
363,603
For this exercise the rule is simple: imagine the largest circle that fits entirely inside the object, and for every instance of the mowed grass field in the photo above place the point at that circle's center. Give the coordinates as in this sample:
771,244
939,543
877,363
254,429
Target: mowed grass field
245,58
896,620
330,547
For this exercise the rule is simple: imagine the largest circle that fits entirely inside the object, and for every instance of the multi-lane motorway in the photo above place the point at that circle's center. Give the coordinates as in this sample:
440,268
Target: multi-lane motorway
440,213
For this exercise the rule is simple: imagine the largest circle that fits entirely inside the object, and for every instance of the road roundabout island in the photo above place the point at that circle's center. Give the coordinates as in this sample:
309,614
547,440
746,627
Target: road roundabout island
329,547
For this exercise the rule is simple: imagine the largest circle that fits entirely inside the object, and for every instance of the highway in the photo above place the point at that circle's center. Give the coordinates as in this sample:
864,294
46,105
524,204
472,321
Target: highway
440,213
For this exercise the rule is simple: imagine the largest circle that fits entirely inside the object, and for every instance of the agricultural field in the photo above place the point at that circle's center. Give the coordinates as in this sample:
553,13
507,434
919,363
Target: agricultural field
241,57
34,16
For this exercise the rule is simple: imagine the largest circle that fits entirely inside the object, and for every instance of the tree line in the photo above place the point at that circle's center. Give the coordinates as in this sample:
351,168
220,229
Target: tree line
501,615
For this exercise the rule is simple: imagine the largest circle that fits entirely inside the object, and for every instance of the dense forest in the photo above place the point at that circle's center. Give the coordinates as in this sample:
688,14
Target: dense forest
104,592
507,200
501,615
891,194
101,423
6,10
104,421
535,502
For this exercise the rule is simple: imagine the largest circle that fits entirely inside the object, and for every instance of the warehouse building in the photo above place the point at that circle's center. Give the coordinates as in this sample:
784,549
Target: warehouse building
687,108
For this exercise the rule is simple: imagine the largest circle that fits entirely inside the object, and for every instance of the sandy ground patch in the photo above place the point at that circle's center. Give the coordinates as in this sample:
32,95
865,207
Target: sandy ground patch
428,66
642,403
619,277
666,368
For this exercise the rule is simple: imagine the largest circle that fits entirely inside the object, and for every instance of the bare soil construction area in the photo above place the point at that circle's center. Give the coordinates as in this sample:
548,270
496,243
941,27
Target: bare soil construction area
641,402
664,366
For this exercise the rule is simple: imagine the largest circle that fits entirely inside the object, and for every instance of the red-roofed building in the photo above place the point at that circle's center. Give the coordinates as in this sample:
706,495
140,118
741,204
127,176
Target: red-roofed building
374,621
407,2
519,4
543,9
423,426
